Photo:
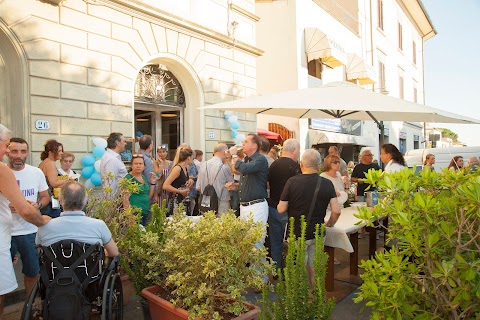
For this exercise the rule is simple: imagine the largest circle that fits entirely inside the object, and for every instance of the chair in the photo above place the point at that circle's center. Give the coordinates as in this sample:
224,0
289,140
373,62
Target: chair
104,289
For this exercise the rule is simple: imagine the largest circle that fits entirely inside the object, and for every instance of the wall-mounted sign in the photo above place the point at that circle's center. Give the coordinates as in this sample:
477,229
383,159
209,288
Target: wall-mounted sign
353,127
42,125
403,135
211,135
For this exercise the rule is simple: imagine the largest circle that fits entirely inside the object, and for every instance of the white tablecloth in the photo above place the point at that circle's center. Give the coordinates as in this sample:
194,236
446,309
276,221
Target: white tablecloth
337,236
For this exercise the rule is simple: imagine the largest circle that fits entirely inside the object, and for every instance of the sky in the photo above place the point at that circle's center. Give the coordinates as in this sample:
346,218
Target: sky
452,63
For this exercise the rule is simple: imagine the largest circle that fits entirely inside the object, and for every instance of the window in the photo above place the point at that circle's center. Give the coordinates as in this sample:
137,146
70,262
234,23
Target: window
415,95
400,87
315,68
381,76
400,36
416,141
414,56
380,14
402,146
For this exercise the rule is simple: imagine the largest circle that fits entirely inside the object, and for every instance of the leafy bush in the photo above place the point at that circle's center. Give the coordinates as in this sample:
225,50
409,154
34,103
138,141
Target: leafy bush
210,263
433,272
295,299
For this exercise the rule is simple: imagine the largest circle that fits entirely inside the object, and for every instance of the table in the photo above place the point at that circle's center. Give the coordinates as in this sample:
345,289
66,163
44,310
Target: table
344,235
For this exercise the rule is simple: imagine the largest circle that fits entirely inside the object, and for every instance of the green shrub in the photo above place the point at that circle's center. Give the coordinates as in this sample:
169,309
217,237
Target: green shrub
433,272
295,299
211,263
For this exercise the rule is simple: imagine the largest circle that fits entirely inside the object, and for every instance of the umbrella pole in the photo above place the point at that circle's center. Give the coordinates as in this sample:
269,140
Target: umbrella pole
380,126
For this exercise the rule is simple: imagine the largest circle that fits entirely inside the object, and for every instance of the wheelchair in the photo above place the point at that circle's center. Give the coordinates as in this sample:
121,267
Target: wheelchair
104,289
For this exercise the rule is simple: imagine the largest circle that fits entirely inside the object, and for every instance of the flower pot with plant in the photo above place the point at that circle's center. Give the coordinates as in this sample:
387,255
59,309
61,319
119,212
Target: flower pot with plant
209,264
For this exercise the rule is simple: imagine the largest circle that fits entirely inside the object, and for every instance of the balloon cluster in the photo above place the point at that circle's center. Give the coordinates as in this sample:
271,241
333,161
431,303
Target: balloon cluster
234,126
91,172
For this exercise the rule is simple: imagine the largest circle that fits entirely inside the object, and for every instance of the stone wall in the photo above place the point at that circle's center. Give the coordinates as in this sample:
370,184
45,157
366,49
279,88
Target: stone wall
83,59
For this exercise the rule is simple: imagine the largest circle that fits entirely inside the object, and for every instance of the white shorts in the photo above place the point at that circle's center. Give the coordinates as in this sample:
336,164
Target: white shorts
8,281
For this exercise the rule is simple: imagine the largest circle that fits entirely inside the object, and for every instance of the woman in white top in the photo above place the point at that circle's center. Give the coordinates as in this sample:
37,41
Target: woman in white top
66,162
390,155
429,162
331,166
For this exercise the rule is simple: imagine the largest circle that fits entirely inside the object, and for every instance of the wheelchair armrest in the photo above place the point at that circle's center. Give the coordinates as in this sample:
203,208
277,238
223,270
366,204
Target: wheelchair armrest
113,263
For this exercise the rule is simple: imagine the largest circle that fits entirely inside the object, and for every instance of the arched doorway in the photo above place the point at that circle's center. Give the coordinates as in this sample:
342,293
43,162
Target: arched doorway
13,103
166,96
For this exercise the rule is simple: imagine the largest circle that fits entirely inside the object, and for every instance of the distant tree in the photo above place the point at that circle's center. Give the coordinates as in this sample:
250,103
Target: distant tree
447,133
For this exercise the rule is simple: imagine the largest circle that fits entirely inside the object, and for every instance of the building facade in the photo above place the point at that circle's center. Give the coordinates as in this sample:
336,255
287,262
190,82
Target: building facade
73,70
375,43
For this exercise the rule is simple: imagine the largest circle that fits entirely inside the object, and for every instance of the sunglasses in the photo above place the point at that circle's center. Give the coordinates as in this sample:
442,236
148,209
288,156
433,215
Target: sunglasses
137,155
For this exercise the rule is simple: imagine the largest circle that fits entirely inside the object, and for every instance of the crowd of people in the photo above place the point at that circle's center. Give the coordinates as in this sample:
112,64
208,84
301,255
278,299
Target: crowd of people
257,181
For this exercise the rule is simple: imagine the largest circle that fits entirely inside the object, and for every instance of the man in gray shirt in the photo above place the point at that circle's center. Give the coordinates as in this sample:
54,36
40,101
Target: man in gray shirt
146,145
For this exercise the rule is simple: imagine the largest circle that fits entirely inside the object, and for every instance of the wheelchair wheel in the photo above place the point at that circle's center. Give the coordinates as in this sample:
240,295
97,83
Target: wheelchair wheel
112,302
33,309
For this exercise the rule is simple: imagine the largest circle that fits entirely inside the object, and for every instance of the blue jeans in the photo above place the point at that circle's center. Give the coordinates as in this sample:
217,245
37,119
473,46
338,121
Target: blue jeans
25,244
276,229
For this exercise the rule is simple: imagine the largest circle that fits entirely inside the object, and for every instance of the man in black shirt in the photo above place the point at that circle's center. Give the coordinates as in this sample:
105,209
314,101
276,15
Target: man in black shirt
297,197
279,172
359,173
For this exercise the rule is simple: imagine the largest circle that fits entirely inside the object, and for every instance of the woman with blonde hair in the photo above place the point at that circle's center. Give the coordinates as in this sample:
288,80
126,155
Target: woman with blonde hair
161,167
429,162
53,151
176,182
331,165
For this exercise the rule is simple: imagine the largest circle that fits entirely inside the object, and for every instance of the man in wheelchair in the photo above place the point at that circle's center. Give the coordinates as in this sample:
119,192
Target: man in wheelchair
75,278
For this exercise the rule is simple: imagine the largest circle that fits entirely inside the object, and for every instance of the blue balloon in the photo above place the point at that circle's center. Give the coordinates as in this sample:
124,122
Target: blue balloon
88,160
96,179
234,125
98,152
234,134
227,116
88,171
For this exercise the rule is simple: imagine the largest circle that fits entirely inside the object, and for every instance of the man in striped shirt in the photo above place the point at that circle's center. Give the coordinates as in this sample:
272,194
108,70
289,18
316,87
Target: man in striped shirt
217,173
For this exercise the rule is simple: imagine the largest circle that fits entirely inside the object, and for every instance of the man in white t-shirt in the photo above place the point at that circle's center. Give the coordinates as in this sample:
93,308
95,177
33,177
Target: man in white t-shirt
33,185
111,161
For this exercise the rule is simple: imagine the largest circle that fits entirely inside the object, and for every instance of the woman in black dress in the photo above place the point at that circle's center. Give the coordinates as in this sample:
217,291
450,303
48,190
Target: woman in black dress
176,182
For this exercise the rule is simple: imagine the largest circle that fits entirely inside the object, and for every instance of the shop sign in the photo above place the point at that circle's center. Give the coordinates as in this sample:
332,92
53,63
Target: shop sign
352,127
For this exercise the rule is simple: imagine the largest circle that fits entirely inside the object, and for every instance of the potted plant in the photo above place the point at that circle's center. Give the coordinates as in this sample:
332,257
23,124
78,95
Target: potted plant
295,299
433,270
209,264
132,239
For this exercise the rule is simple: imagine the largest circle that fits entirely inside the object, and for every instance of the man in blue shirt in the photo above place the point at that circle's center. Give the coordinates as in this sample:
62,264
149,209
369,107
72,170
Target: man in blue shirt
253,183
146,145
74,225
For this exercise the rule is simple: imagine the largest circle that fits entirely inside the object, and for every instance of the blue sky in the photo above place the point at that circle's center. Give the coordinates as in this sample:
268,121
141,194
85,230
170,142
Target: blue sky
452,63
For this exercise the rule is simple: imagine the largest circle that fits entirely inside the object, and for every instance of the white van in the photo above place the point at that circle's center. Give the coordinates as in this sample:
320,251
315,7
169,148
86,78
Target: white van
443,156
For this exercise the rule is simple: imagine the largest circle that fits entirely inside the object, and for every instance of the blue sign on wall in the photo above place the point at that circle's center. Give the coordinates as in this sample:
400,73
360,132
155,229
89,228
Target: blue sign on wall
353,127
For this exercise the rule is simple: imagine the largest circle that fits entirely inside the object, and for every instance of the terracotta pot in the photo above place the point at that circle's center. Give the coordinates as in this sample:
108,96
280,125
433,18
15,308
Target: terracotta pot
127,286
161,309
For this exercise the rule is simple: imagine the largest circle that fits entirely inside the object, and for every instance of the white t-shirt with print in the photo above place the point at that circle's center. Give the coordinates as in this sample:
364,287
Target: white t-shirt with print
31,181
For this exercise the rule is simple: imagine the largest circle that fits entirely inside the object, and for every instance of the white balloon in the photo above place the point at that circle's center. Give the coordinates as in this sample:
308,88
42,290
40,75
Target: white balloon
89,184
100,142
241,137
96,165
238,141
233,118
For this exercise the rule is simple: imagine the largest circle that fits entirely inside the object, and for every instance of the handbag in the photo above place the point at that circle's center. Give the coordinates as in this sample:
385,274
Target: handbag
309,216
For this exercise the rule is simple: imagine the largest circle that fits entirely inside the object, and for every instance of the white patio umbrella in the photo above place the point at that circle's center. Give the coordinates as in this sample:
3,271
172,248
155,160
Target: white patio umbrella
343,100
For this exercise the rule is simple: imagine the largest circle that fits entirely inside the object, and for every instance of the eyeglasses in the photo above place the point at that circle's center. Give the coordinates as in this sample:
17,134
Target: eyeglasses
335,162
67,161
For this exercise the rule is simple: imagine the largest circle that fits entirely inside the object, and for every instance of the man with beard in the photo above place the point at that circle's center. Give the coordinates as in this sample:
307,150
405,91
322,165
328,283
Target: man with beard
33,185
